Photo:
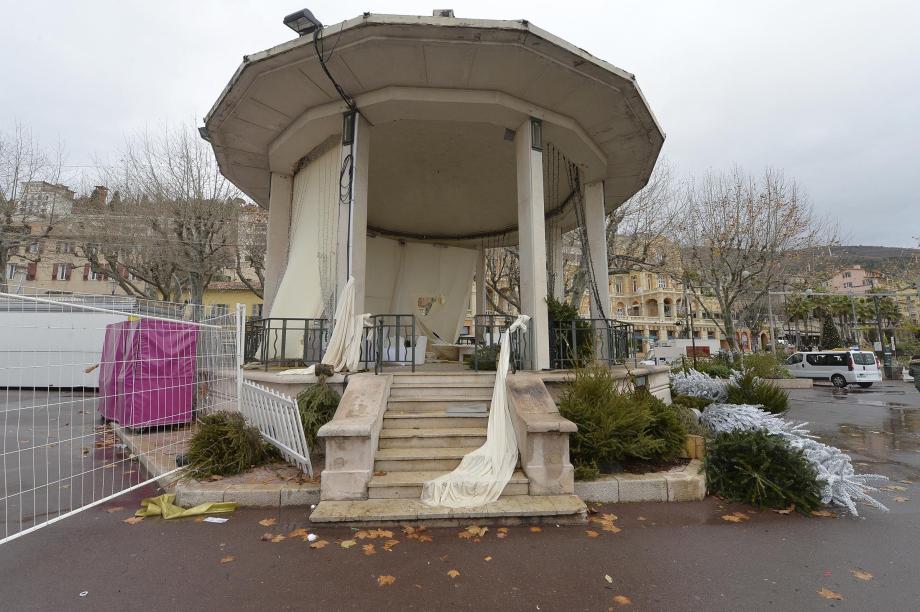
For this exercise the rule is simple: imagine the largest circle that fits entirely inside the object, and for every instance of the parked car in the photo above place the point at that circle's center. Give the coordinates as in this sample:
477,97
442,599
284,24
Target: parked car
840,367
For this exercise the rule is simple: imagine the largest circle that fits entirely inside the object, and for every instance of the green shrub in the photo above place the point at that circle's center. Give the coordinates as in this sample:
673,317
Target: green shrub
760,469
715,367
317,404
688,401
617,424
766,365
486,357
749,389
224,445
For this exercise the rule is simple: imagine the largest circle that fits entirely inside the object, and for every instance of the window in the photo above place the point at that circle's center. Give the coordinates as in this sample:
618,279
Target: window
34,247
847,285
710,335
649,279
815,360
257,311
11,271
621,311
670,334
61,272
618,287
635,284
847,275
794,359
95,276
863,358
662,282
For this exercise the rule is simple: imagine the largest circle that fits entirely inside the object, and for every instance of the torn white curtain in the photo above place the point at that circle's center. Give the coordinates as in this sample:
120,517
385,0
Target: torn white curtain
344,349
482,474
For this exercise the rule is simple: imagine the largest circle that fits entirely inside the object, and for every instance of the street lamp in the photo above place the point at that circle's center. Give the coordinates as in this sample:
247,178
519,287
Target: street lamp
303,22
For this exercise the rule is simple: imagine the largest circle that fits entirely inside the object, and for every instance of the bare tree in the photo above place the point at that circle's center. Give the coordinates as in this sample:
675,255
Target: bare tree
503,279
638,234
22,161
738,236
250,253
176,222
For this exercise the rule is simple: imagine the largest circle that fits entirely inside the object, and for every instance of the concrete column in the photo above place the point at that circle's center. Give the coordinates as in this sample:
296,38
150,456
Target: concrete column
597,247
352,235
661,309
278,236
532,242
480,306
554,248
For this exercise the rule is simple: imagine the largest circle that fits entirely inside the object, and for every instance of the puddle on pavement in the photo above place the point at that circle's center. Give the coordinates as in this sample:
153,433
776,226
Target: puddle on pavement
898,432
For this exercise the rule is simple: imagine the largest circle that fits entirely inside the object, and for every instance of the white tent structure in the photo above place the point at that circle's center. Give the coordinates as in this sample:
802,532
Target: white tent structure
397,149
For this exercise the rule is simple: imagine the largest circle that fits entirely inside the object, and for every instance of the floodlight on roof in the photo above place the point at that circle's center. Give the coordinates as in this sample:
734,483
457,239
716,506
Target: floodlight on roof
303,22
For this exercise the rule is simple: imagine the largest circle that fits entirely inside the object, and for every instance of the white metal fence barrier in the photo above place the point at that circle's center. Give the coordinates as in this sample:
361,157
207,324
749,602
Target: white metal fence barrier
278,418
77,369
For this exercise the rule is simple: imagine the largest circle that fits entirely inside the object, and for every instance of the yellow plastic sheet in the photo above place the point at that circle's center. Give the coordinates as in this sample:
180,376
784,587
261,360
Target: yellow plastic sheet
163,505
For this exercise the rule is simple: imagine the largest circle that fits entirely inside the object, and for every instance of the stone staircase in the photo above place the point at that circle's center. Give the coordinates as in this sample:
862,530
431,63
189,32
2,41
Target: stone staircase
432,421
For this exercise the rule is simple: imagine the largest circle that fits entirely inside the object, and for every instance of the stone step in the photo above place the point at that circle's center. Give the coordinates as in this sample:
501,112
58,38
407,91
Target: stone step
408,485
442,378
516,509
432,437
421,391
438,403
437,419
419,459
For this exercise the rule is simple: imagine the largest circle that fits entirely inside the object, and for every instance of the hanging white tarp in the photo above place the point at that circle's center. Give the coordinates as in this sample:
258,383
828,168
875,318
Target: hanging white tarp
482,474
343,352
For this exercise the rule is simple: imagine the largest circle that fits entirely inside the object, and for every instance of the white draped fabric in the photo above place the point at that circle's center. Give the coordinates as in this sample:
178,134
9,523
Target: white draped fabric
343,352
482,474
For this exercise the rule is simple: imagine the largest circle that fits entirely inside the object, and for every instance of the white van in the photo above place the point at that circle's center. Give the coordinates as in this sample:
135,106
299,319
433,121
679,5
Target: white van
840,367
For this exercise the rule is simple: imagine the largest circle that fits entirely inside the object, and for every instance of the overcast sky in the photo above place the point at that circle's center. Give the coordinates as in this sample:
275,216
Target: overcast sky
828,91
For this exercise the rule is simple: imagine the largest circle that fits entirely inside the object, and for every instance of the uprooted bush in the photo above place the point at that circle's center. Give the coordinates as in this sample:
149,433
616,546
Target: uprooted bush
616,423
317,404
223,445
761,469
750,389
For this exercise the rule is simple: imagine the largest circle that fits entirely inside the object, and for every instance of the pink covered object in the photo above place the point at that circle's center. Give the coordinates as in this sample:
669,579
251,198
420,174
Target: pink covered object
147,373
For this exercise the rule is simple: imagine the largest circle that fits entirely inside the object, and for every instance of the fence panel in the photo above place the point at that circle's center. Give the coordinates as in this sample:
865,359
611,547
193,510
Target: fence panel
277,416
95,388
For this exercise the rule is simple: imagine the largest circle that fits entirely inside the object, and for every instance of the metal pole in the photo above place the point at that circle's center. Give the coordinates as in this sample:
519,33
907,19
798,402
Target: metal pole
692,332
855,321
772,326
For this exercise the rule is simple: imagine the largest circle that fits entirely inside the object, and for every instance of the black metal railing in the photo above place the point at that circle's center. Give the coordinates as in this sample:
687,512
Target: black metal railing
390,339
580,342
487,334
286,342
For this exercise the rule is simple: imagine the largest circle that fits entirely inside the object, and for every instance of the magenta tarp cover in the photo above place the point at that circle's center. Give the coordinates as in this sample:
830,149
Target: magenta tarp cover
147,373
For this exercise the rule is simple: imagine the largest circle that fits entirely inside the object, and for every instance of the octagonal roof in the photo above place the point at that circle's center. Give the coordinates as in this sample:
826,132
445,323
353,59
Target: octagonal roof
591,104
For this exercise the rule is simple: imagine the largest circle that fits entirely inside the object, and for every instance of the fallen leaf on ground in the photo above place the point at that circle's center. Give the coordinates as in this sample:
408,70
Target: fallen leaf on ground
591,533
641,518
266,537
319,544
443,558
862,574
502,532
389,544
382,533
622,600
112,509
228,559
824,513
536,529
347,543
487,558
608,578
385,580
380,473
894,488
268,522
608,517
133,520
788,510
611,528
826,593
279,538
369,549
216,477
473,531
736,517
901,500
453,573
298,533
424,538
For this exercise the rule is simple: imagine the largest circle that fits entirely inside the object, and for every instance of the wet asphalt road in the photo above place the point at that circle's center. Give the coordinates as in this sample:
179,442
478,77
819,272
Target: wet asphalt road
667,556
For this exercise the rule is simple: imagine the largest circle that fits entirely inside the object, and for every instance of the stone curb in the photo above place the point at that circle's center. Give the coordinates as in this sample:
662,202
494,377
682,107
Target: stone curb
677,485
192,493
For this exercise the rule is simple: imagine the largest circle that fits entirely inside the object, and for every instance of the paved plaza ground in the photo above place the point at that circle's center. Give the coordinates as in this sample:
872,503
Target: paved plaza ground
665,556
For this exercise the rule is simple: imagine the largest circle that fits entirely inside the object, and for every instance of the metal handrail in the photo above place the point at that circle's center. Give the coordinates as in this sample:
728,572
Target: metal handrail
488,330
268,340
579,342
378,341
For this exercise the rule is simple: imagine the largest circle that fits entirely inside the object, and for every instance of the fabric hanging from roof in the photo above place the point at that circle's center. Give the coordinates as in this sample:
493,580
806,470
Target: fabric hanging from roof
343,352
482,474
